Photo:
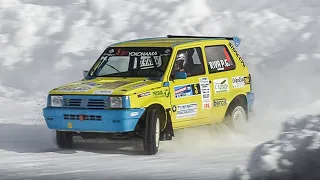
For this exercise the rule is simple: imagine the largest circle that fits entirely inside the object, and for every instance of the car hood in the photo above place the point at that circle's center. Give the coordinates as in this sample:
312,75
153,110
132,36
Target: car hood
107,86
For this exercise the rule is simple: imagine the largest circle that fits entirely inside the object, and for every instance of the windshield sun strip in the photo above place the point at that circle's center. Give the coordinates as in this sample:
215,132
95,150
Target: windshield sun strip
104,58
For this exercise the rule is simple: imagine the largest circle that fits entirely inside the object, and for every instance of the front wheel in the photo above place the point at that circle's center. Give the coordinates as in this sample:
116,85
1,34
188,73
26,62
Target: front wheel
152,132
64,139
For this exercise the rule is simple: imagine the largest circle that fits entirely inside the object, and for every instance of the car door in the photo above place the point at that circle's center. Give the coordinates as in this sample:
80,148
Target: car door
190,97
220,66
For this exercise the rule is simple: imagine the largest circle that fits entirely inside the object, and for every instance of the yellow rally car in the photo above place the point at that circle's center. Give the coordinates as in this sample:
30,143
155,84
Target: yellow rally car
147,88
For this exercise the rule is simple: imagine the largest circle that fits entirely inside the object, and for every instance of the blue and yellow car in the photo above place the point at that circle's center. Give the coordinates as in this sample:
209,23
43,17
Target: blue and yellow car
148,88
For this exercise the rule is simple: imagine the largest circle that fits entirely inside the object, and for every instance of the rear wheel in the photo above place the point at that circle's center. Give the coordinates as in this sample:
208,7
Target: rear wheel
64,139
152,132
237,117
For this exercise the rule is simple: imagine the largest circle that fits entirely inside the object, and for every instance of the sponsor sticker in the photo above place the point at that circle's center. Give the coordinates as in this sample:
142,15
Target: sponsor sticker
219,64
144,94
74,89
105,57
247,80
160,94
206,104
181,91
113,85
220,102
139,85
91,84
143,53
146,62
103,92
134,114
238,82
187,90
237,54
121,52
206,93
221,85
109,53
187,110
174,108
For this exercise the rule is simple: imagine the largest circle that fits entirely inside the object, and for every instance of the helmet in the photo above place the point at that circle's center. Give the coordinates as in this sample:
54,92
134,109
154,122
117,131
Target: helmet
181,61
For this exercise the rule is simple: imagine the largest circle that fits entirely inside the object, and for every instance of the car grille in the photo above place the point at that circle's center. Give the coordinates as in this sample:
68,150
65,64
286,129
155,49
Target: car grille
85,117
96,103
72,102
86,102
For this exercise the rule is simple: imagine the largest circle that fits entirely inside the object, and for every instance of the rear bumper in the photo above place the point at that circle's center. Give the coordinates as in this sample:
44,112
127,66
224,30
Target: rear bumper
108,121
250,101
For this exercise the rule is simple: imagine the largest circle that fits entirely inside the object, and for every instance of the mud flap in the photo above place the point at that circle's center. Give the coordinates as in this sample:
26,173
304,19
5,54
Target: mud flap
167,133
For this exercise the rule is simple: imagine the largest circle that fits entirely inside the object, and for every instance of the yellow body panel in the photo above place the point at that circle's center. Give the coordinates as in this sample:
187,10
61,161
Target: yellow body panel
143,92
154,42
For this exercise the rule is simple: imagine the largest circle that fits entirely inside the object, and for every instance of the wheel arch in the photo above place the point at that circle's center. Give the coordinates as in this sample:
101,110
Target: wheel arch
163,119
239,99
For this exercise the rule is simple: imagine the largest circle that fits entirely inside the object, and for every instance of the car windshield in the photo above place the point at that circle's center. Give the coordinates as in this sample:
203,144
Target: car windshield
132,62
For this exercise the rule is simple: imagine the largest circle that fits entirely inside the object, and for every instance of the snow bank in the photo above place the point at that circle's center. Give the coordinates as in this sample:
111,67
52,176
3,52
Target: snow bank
43,42
17,106
60,38
292,155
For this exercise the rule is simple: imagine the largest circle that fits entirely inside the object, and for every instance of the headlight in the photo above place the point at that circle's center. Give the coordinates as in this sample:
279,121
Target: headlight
56,101
115,102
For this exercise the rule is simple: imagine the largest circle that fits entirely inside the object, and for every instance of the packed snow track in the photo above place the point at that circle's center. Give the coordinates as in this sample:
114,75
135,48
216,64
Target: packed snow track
29,152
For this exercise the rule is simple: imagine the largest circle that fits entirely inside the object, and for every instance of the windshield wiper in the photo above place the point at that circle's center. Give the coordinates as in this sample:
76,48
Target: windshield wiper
114,69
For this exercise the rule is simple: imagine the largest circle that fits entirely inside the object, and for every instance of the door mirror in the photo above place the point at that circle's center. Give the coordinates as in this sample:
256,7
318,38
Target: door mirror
85,73
180,75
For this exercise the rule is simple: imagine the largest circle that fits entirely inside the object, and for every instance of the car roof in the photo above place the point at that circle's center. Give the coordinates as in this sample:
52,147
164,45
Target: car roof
169,41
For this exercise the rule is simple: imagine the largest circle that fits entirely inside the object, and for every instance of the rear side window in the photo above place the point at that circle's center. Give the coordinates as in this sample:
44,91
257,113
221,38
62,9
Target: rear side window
219,59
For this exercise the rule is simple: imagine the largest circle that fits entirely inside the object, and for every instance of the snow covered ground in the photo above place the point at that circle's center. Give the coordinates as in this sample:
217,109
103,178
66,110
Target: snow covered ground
43,42
34,155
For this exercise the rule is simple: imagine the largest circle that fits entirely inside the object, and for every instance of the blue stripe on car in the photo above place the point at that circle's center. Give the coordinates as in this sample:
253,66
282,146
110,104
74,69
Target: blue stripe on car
96,120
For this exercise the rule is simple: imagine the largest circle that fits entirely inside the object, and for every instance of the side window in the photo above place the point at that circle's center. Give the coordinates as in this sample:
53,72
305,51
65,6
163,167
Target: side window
219,59
189,61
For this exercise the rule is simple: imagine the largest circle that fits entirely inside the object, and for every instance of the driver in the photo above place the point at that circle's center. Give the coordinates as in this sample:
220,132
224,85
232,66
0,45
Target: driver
181,62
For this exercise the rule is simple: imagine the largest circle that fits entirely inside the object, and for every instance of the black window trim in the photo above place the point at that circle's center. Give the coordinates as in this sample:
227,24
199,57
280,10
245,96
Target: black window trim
201,56
228,51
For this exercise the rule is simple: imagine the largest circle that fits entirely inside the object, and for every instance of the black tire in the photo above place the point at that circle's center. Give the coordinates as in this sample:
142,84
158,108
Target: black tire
64,139
236,108
152,138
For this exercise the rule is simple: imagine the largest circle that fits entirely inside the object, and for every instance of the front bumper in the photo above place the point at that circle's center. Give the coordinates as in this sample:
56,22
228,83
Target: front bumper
92,120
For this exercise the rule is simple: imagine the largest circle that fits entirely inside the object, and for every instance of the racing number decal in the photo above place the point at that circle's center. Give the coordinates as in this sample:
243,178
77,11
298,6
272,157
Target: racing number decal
196,90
